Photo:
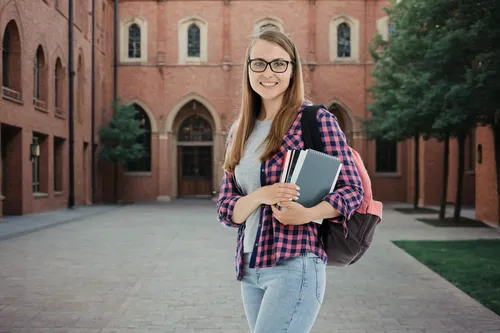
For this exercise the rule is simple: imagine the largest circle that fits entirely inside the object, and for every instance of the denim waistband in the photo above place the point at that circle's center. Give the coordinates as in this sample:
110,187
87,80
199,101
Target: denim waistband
246,256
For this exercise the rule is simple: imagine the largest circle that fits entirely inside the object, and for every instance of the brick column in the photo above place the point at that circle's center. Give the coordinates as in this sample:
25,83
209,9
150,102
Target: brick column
161,32
164,171
311,49
226,36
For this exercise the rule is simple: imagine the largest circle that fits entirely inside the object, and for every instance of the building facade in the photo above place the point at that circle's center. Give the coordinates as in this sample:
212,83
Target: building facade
34,107
180,65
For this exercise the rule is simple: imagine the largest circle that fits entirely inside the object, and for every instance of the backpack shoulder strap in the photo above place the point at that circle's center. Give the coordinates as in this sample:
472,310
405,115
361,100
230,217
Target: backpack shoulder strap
310,128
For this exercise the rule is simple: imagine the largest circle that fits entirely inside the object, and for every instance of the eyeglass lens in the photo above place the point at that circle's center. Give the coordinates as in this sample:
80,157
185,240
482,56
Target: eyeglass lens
277,66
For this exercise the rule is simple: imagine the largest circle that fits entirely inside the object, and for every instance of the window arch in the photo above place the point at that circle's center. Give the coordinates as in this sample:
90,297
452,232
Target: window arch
344,39
195,128
39,79
193,40
11,63
385,28
58,87
134,40
144,163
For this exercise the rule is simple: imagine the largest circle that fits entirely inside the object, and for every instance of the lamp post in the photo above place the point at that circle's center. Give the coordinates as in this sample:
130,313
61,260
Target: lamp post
34,149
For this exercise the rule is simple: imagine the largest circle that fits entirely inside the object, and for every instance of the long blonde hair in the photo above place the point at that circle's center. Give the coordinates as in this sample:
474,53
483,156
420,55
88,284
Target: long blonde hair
251,104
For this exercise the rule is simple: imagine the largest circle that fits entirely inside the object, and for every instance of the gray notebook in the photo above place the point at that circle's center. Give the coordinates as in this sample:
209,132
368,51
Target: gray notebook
316,174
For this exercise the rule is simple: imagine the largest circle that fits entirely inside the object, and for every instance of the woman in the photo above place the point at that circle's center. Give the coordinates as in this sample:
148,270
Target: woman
279,259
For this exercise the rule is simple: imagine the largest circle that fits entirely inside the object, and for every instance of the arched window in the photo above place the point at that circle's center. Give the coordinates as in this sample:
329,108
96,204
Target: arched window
143,164
343,41
195,128
58,86
134,41
5,57
11,63
193,41
80,91
37,73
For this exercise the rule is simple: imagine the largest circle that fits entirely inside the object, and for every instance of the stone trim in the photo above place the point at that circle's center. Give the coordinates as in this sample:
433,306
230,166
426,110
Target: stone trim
124,26
182,28
383,27
354,25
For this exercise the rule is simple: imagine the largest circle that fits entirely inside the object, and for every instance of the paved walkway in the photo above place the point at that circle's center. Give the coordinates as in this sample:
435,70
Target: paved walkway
169,268
13,226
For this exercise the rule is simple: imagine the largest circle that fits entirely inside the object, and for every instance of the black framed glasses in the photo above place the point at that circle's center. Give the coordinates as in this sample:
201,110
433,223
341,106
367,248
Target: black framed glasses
277,65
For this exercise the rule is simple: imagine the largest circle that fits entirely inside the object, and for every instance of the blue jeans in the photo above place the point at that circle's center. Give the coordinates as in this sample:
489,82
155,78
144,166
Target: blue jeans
285,298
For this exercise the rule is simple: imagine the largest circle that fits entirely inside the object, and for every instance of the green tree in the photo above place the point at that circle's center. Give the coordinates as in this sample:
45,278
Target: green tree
484,75
399,83
426,76
119,139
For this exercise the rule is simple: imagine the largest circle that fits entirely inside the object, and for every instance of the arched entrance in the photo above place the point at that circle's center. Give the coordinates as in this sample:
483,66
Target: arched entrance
195,136
344,120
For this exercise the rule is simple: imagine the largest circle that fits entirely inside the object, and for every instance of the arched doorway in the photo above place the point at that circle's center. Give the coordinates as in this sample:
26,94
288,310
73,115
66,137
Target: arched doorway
344,120
194,152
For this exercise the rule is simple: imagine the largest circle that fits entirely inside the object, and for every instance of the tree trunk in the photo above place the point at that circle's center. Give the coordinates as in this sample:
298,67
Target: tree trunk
444,188
460,177
496,145
115,182
416,193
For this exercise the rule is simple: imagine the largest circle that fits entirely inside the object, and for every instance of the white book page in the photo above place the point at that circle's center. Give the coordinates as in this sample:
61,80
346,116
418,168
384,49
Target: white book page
298,166
288,155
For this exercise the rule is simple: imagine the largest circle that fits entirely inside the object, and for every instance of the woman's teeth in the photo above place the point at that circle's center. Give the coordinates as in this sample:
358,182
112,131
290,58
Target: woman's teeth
268,84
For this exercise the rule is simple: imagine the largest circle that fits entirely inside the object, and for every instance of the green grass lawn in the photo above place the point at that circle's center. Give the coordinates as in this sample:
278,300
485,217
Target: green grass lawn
472,265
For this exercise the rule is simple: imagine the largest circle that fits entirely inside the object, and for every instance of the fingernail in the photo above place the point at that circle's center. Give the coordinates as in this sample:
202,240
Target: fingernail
296,198
298,193
290,199
298,188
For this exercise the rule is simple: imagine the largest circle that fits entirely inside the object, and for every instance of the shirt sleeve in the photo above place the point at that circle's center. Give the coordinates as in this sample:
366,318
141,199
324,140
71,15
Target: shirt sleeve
348,193
228,197
228,194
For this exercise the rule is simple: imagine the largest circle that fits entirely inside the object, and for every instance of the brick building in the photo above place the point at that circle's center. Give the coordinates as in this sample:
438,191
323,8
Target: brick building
180,65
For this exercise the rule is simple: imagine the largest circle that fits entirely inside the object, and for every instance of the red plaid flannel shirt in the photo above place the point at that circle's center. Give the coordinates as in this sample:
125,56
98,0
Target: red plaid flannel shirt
274,240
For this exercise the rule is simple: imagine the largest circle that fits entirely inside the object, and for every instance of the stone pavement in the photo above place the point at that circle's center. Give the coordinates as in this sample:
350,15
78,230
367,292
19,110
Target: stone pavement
13,226
168,267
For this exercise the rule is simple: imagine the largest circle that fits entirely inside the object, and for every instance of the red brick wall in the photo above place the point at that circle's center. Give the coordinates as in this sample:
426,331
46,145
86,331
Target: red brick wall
162,83
41,23
486,194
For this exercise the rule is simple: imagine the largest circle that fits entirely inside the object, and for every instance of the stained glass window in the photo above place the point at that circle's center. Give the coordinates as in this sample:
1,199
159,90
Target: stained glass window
195,128
134,41
343,41
193,41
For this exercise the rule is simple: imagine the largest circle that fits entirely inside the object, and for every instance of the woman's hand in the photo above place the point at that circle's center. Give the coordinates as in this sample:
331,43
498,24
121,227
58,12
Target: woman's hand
278,192
291,213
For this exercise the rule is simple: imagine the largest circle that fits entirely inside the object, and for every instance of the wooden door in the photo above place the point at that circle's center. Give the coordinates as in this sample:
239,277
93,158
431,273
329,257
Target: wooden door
195,171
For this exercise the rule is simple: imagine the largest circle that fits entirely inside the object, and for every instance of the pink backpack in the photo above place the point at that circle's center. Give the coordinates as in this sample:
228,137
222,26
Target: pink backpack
344,247
368,206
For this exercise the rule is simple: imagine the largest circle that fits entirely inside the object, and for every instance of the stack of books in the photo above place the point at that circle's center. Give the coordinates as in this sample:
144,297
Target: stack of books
314,172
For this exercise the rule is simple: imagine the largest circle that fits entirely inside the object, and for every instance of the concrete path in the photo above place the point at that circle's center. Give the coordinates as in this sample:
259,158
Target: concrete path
168,267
